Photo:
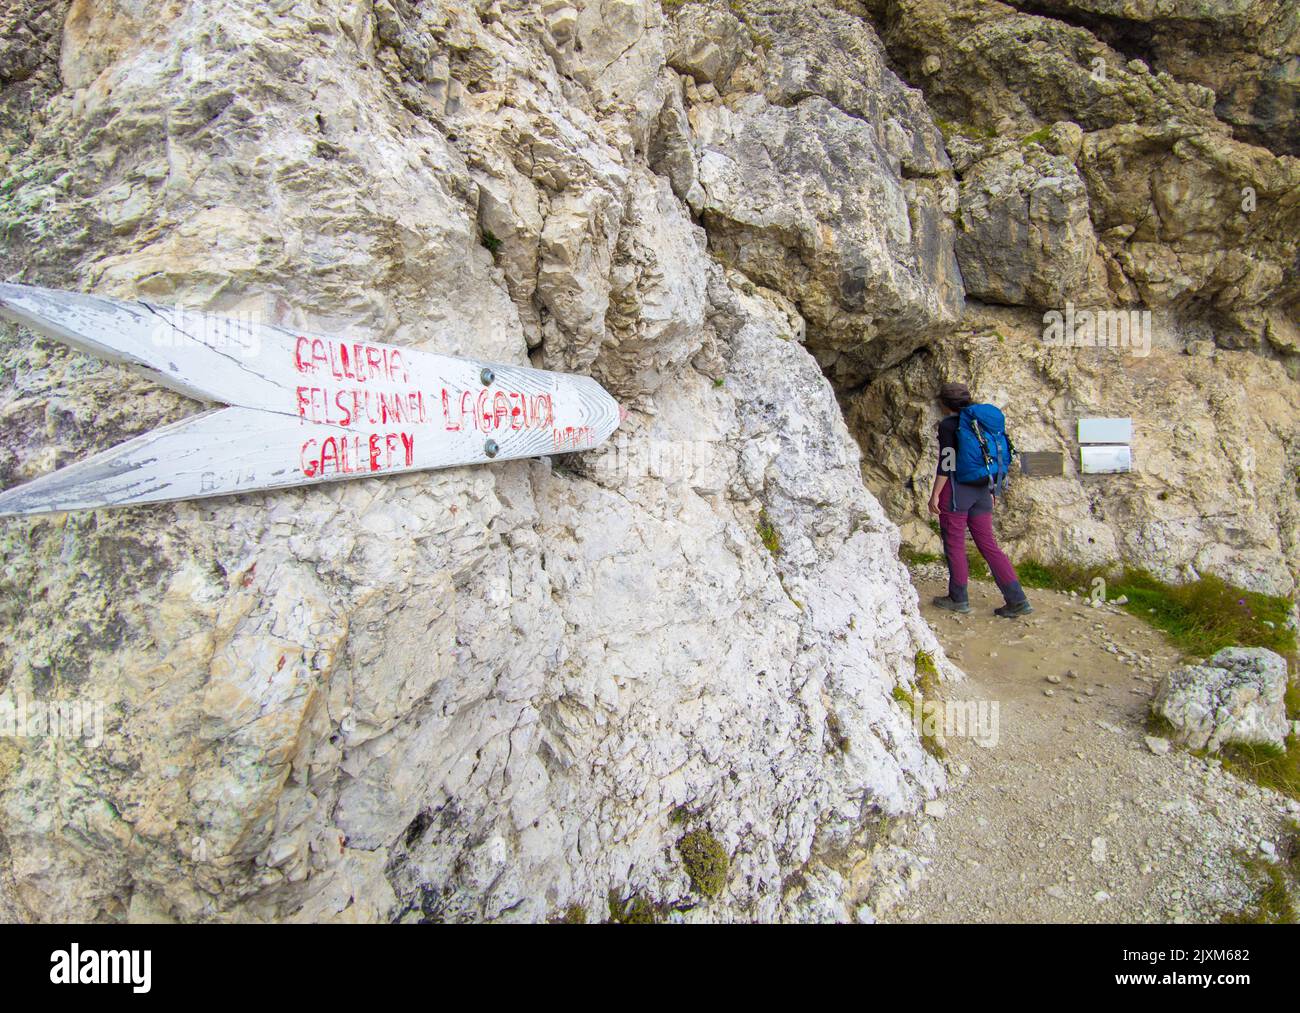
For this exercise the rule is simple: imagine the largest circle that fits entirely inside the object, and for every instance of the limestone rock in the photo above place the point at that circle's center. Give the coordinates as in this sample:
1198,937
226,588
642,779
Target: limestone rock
828,187
474,694
1244,53
1024,236
1163,172
1180,511
1237,696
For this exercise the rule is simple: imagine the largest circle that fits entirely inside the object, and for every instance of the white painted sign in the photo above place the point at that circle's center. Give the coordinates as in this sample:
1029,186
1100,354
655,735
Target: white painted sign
1105,460
1105,430
305,408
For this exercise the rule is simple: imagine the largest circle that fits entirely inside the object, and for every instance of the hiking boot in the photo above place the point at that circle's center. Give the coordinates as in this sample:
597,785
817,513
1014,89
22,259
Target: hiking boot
1022,608
952,606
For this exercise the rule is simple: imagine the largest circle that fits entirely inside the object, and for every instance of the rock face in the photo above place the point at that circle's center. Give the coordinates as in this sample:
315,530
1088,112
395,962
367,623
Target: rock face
1235,697
494,693
1025,238
1098,172
1188,217
1215,449
821,175
1246,51
510,692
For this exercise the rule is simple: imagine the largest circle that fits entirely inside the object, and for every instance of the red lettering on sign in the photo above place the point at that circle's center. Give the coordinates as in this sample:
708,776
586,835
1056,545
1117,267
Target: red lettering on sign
309,464
446,413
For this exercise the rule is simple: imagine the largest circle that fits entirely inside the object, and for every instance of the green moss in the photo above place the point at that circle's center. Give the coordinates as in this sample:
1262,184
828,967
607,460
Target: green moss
705,861
927,688
719,381
967,130
927,673
1037,137
492,243
574,914
636,910
771,540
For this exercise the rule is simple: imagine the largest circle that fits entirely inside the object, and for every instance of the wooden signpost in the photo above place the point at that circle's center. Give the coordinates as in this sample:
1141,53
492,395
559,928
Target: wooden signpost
304,408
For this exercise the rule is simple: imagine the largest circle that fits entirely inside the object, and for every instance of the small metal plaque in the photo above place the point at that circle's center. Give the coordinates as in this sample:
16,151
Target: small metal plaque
1042,463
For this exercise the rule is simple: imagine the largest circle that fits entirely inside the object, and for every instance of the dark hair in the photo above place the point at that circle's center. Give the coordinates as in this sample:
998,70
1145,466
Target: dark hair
955,404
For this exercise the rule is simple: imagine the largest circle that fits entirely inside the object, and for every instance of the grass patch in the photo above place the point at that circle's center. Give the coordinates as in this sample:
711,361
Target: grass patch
771,540
915,557
1208,614
979,570
1054,576
1200,617
1159,726
1279,882
1267,766
705,861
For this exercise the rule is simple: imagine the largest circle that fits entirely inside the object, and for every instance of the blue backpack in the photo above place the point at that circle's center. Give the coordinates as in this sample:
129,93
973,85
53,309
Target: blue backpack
983,450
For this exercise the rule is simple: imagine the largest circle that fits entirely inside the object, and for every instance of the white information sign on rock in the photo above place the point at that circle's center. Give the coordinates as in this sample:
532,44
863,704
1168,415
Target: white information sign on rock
1105,460
1105,430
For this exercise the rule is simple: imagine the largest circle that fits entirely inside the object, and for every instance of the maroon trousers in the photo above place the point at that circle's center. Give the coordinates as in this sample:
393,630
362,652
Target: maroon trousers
953,527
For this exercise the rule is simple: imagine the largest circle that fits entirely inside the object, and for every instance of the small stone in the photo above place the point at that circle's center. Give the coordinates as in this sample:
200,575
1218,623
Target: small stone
1057,891
1101,896
1070,673
936,808
1098,855
1157,745
1055,680
1049,692
1269,850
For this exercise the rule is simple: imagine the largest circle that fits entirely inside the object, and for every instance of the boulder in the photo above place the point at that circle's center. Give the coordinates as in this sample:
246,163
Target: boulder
1236,697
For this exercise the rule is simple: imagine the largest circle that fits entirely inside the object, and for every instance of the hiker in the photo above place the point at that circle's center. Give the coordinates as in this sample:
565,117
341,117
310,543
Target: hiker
972,445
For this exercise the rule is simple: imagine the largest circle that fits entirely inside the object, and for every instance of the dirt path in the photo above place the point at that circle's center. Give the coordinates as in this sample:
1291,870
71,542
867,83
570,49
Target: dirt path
1071,816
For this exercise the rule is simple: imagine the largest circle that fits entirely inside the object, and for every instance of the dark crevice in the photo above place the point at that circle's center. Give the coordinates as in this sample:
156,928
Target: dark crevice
1136,40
